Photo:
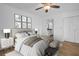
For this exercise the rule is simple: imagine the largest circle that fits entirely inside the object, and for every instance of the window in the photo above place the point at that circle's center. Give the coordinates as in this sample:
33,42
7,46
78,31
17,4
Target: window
22,21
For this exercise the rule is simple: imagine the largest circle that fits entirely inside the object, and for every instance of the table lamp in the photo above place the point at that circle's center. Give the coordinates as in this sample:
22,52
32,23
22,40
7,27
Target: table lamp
36,30
7,32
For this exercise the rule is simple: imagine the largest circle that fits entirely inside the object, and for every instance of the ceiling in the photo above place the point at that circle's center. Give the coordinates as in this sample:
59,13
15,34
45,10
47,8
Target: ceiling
30,8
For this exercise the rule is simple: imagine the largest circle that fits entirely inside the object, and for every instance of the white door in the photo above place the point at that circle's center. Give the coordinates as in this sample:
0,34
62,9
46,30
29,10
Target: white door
71,29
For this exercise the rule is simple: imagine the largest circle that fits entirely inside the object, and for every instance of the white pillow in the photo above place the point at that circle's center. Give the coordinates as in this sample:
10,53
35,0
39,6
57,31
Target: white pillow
21,35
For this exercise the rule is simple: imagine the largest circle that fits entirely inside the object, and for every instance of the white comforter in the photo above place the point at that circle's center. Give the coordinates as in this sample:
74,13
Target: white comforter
36,50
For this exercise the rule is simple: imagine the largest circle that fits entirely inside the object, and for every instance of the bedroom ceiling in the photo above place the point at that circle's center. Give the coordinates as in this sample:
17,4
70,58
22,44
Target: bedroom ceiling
30,8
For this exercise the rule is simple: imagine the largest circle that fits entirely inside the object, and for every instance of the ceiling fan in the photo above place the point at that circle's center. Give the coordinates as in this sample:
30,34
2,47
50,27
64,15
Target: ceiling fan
47,6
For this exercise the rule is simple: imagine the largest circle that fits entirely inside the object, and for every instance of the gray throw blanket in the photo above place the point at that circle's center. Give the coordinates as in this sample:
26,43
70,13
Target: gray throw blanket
32,41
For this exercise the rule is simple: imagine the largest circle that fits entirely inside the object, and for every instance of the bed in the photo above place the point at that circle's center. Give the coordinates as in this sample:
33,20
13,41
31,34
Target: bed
29,46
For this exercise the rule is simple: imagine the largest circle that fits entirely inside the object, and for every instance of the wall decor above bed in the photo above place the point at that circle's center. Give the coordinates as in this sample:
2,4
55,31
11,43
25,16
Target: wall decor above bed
21,21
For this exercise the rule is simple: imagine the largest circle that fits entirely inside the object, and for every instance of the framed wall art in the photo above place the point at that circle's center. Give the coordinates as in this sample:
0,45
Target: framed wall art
22,21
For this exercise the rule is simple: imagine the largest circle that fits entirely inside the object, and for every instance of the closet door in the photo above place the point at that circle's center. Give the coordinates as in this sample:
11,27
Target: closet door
71,29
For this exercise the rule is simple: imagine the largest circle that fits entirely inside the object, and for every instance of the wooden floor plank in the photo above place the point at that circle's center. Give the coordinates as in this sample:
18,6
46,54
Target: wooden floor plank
7,50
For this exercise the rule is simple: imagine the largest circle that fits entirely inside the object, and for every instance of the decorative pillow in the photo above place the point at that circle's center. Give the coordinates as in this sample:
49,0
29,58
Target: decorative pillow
30,33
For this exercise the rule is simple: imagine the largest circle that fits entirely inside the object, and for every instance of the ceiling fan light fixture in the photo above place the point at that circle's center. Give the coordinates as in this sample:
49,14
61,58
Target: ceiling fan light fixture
46,7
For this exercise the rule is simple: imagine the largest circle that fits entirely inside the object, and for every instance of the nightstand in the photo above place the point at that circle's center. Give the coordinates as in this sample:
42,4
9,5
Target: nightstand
7,42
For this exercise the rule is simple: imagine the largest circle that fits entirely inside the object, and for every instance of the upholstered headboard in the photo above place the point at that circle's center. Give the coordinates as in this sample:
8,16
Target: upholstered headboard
14,31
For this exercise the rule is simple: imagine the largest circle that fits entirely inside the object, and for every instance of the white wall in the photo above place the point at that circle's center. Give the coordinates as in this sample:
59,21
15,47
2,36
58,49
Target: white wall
60,32
66,26
7,17
62,29
58,26
60,16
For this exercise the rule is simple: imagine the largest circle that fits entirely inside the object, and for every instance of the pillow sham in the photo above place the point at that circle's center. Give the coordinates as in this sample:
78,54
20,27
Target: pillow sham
21,35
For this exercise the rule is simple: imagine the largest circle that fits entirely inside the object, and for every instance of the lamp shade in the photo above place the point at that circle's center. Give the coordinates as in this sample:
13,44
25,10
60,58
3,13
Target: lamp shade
6,30
36,29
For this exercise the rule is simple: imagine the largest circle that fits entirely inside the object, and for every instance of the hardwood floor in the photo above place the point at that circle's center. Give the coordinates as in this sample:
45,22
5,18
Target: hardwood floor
69,49
7,50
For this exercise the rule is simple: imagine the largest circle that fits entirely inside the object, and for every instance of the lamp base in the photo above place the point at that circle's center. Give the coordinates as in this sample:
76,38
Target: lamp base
7,35
35,32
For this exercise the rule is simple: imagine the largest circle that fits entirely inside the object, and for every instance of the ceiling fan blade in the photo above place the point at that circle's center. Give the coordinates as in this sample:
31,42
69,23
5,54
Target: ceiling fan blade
38,8
55,6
